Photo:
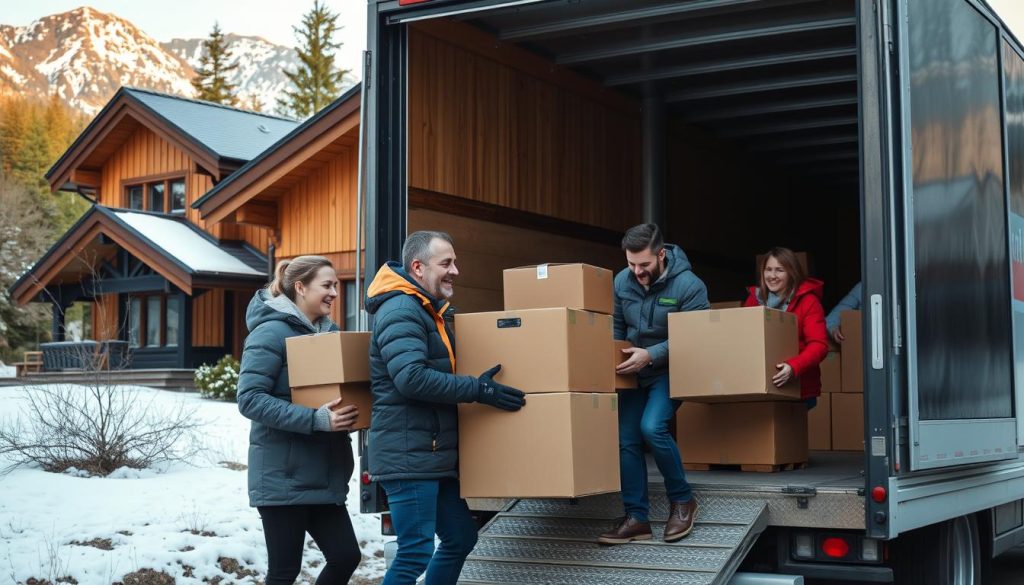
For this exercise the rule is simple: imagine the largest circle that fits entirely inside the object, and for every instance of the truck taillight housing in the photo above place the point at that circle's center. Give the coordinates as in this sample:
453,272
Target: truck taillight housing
835,547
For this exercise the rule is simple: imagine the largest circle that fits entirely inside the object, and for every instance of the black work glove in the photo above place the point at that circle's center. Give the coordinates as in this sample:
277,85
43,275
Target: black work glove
499,395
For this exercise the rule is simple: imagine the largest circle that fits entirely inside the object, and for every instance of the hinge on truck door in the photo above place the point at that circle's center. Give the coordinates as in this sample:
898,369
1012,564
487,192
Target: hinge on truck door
367,73
803,494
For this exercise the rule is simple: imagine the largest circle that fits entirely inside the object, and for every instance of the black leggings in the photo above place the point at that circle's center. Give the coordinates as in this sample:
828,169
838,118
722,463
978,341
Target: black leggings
285,529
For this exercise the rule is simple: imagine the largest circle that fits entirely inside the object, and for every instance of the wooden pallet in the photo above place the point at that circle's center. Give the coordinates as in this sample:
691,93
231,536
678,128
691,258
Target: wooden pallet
755,467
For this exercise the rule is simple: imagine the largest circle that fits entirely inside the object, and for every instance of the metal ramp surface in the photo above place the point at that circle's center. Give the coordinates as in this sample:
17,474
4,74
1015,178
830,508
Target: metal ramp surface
553,542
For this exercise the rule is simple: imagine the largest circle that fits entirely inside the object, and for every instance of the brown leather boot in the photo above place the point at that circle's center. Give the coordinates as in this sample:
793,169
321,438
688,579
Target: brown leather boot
680,520
627,529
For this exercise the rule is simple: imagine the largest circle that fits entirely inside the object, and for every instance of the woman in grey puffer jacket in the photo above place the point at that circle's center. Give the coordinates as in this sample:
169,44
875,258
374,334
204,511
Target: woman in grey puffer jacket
300,458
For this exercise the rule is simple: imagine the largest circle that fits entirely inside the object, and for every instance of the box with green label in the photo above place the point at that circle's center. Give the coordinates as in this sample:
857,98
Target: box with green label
731,355
560,445
540,350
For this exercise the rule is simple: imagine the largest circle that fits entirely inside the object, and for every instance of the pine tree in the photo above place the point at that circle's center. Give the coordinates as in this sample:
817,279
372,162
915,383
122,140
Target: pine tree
317,81
211,81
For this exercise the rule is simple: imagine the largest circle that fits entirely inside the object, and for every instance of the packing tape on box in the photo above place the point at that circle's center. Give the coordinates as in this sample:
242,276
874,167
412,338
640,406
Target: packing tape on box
593,319
595,401
542,271
714,316
615,403
572,317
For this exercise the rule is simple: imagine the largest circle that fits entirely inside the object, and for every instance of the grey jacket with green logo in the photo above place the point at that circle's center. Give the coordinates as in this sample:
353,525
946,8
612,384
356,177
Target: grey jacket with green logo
641,316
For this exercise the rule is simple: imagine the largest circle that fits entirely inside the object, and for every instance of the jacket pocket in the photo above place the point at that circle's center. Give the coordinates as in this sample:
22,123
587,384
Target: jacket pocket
308,463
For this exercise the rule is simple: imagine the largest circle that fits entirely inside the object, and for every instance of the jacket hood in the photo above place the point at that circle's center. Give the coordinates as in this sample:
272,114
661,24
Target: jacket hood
678,263
393,280
263,307
810,286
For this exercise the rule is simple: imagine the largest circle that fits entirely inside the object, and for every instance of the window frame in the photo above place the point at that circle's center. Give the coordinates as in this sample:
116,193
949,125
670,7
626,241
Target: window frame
145,183
142,339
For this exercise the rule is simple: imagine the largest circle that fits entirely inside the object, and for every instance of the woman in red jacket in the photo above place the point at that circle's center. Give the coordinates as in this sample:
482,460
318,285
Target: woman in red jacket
784,286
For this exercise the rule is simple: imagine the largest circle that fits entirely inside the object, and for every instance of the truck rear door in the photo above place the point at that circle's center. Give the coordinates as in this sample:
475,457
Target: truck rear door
960,319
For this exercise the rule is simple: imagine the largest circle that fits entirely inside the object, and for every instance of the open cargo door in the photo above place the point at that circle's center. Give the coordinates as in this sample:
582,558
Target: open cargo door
959,330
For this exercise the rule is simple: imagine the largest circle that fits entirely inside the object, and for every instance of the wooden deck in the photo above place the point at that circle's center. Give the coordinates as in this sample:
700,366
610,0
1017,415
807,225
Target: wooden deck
178,380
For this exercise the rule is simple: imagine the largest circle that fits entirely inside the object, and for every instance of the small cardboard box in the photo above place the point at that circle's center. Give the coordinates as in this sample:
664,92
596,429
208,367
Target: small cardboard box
577,286
852,351
357,393
819,424
801,258
338,357
540,350
749,433
848,421
730,355
622,381
727,305
831,373
561,445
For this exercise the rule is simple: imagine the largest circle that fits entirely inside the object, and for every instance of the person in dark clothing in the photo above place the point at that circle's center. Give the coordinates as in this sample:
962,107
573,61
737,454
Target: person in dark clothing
413,440
658,281
300,458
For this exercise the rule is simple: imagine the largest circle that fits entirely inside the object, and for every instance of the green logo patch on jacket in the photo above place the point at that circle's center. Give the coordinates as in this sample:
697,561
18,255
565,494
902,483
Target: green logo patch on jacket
667,301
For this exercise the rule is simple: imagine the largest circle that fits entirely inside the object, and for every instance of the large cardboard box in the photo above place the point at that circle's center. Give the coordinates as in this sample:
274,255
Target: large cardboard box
338,357
831,373
852,351
577,286
727,305
622,381
560,445
730,355
540,350
848,421
819,424
749,433
357,393
801,258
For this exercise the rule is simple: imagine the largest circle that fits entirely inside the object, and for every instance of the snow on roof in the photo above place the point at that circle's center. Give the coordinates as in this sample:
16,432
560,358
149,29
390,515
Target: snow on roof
183,243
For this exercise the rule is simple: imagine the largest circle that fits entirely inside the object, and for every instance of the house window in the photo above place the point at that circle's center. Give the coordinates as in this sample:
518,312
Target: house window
163,196
153,321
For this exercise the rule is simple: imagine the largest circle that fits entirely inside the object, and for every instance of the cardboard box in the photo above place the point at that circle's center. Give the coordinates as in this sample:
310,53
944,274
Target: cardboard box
848,421
749,433
540,350
338,357
831,373
801,258
727,305
561,445
622,381
730,355
357,393
819,425
852,351
577,286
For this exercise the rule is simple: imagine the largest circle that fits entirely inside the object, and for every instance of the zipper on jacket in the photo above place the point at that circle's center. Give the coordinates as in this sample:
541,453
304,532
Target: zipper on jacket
437,430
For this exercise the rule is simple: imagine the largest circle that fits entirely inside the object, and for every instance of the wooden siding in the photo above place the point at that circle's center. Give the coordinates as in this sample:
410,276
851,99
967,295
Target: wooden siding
144,154
105,317
483,249
318,214
208,319
499,129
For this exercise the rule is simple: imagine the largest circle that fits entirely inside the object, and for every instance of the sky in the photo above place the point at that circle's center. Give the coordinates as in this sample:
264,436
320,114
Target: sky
270,19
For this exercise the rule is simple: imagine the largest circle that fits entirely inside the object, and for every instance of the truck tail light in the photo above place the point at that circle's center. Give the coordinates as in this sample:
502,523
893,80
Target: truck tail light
835,547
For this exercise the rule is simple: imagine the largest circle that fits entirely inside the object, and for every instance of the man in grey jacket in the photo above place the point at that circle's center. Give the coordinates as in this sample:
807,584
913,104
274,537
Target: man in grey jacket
658,281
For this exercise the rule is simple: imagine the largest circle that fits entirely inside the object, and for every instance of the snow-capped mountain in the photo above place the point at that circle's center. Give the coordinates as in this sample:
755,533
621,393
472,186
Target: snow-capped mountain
261,66
85,55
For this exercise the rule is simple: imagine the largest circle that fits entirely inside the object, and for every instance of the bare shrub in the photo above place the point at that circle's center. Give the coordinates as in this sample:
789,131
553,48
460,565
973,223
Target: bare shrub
97,428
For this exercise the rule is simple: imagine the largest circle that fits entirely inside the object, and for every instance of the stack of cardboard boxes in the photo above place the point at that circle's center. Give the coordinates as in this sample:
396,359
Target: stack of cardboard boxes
837,422
722,362
326,366
564,442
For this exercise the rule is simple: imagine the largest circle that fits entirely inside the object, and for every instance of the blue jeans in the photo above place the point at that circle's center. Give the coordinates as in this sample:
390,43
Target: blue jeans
421,508
644,417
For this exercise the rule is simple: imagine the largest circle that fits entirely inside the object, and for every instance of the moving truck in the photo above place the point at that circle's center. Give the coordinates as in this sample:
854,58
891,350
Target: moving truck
883,137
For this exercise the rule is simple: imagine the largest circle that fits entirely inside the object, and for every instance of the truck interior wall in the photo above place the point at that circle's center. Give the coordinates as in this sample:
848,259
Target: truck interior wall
491,122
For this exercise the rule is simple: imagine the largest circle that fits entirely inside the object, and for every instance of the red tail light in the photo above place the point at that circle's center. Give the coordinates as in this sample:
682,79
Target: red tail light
365,478
835,548
878,494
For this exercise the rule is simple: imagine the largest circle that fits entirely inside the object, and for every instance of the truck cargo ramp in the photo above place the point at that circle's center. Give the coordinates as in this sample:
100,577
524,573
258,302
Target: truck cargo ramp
554,542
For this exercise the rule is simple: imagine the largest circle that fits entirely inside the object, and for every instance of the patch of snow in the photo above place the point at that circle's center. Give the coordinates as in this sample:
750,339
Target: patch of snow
183,243
184,514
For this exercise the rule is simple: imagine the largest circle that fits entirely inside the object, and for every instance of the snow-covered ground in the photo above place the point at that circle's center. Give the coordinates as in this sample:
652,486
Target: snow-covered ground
180,519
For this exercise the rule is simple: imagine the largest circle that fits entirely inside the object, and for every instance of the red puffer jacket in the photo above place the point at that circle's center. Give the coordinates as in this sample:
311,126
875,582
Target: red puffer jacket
810,322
